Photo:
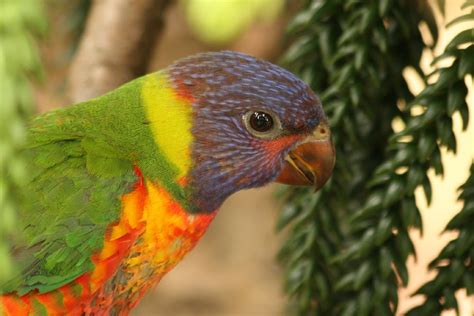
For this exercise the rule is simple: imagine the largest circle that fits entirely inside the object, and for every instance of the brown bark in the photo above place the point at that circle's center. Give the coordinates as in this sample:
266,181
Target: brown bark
116,46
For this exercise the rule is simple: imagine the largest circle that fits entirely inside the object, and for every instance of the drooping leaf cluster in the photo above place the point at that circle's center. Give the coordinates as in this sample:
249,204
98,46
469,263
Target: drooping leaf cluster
347,245
455,263
21,23
411,153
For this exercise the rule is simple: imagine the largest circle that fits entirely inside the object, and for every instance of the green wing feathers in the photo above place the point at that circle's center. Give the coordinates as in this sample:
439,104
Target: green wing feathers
76,181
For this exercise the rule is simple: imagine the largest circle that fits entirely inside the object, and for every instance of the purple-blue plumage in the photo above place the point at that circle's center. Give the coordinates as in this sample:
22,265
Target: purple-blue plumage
226,86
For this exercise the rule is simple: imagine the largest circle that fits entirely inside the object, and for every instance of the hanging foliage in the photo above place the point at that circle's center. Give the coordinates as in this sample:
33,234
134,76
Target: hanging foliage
455,263
347,246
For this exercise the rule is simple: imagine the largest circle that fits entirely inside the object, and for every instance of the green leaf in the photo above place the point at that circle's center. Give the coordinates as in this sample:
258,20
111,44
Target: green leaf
463,18
288,213
467,4
441,5
464,111
384,6
415,177
429,308
395,190
456,97
380,40
402,270
426,146
447,252
466,63
385,262
446,78
404,244
383,231
365,21
450,300
464,37
366,244
350,309
457,221
360,58
468,282
322,285
427,189
326,45
410,214
464,243
437,59
343,76
364,303
362,275
299,22
372,206
298,50
346,283
347,35
446,134
436,162
456,271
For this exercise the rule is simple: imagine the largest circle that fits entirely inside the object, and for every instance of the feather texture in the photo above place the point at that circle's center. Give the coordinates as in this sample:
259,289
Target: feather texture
122,186
85,207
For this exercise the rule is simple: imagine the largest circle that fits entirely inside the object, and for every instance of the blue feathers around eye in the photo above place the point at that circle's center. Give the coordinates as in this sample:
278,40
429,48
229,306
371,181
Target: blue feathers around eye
226,85
236,81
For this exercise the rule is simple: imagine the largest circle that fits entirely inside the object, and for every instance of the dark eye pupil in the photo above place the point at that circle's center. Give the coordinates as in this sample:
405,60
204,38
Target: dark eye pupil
261,121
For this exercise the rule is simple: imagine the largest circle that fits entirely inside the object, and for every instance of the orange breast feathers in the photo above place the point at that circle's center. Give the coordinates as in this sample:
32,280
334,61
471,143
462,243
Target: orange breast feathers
168,232
152,235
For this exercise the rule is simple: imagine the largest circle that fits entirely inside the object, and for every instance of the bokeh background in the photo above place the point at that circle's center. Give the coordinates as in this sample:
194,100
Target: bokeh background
233,270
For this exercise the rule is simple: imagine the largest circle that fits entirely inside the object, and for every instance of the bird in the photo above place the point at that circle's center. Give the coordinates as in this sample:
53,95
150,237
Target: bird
122,186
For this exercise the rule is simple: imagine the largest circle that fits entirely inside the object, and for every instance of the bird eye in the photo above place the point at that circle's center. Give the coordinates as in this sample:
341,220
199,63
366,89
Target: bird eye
261,121
262,124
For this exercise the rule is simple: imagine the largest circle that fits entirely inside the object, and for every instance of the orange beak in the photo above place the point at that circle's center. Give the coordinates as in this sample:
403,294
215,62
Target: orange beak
311,162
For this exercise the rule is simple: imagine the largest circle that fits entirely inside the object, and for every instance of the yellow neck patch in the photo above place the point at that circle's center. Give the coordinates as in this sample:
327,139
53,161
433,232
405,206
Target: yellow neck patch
170,118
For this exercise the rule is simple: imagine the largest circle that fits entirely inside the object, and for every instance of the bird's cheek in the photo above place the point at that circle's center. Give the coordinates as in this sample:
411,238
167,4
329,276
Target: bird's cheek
274,149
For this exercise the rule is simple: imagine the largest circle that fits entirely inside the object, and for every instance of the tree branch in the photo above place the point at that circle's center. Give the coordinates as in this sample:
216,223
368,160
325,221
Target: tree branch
118,40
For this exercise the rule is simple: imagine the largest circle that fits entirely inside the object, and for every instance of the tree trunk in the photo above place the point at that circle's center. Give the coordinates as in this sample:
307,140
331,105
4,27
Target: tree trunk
116,46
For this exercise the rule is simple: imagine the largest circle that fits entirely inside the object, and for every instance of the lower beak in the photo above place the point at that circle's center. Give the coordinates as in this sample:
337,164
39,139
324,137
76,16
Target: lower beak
311,162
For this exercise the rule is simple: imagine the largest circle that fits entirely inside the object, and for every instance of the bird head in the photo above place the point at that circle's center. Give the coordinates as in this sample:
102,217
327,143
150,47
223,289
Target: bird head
251,123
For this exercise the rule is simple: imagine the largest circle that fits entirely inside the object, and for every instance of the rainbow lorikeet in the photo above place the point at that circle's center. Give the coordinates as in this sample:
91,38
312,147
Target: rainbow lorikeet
122,186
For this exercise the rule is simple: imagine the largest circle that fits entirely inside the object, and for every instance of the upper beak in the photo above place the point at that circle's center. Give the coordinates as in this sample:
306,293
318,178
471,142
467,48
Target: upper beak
311,162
